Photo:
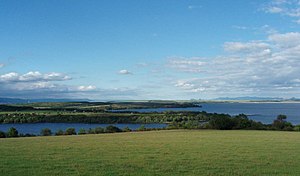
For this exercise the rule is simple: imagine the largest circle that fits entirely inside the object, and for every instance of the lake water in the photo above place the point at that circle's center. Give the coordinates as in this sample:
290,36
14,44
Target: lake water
35,128
263,112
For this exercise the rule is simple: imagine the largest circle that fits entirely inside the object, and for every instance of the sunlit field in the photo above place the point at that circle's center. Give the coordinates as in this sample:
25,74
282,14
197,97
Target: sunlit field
178,152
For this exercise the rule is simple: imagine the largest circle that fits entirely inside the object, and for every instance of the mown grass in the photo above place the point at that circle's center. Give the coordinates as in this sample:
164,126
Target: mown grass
178,152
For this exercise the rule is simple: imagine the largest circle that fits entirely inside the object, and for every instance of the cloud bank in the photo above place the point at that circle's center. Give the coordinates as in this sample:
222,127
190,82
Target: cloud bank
33,77
267,67
35,84
289,8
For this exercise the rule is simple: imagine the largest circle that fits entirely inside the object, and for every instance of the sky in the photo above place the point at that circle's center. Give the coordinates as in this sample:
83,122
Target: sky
141,50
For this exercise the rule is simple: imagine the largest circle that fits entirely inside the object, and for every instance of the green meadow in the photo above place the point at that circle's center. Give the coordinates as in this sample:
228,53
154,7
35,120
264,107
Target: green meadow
174,152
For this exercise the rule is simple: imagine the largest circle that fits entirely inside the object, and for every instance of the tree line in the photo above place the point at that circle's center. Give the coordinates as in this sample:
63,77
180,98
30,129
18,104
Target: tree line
105,118
13,132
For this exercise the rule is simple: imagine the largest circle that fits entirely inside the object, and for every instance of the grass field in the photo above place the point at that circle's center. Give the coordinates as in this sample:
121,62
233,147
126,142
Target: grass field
154,153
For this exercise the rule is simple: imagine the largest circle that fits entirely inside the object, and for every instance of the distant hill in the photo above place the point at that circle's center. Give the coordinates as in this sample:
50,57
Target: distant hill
19,100
12,100
256,99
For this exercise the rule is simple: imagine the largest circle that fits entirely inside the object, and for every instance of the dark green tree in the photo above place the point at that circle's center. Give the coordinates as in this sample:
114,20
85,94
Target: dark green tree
221,122
46,132
91,131
281,117
280,123
241,121
142,128
12,132
98,130
59,133
112,129
2,134
126,129
70,131
82,131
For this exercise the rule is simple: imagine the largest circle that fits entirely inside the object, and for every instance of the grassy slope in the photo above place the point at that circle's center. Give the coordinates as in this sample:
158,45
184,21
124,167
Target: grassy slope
154,153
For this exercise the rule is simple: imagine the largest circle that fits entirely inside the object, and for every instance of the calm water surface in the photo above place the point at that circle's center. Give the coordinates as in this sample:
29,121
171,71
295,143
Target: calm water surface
263,112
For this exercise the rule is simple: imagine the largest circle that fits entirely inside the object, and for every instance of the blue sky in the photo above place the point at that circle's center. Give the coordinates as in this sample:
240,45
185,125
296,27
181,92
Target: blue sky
135,49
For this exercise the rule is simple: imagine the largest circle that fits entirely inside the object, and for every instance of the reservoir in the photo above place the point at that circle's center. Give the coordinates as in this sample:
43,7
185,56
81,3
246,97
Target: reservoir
263,112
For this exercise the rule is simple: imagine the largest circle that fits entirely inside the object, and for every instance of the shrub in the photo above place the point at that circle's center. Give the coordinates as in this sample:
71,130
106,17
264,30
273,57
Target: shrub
29,135
82,131
46,132
26,135
99,130
280,123
59,133
91,131
221,122
2,134
171,126
297,128
70,131
12,132
126,129
288,128
241,121
257,126
142,128
112,129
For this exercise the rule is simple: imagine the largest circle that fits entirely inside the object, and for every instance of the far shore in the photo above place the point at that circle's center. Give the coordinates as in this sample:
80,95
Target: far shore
244,101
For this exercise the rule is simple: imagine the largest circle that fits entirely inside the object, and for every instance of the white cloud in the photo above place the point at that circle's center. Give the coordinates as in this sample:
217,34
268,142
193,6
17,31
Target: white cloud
51,85
53,76
9,77
189,85
268,67
33,77
2,65
268,29
35,86
296,80
274,9
286,40
184,84
278,2
30,76
191,7
290,8
240,27
124,72
245,47
86,88
32,82
187,64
